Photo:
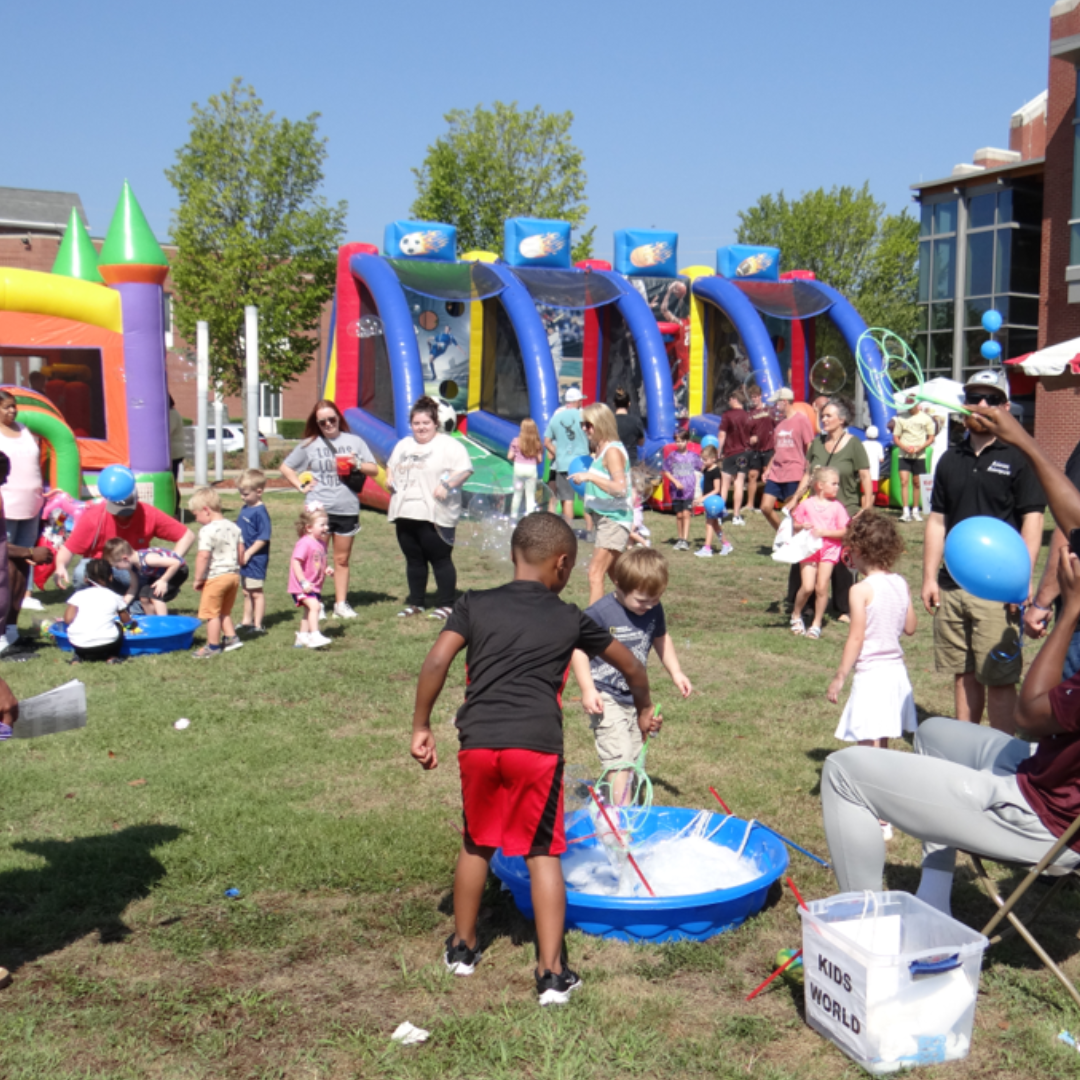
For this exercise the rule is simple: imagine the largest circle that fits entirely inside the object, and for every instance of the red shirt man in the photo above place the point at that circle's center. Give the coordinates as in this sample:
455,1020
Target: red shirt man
140,525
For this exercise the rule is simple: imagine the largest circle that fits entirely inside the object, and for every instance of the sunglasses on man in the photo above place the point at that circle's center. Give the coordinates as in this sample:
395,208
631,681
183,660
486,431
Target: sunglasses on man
978,398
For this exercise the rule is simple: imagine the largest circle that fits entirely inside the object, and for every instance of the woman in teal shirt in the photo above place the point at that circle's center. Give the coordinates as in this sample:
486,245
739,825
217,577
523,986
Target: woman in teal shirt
607,493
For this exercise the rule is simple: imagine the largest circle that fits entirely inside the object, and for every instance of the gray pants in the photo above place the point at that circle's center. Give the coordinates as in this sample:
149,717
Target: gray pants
958,790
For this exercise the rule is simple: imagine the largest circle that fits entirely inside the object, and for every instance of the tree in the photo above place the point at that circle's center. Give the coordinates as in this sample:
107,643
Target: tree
847,240
251,229
499,163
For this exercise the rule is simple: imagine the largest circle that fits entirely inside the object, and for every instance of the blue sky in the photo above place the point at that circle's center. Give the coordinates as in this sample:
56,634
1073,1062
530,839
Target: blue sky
686,112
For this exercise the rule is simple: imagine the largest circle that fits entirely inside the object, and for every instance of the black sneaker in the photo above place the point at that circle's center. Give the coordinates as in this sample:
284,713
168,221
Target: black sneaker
556,989
459,958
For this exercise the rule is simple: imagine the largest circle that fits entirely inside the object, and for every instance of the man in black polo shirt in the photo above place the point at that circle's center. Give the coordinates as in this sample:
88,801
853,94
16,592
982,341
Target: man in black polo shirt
977,639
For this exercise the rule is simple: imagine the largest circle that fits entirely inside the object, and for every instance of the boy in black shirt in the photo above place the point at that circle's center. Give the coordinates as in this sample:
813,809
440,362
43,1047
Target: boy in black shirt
519,640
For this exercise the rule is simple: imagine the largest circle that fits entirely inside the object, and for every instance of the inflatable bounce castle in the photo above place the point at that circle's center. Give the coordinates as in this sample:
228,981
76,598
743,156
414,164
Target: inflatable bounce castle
93,333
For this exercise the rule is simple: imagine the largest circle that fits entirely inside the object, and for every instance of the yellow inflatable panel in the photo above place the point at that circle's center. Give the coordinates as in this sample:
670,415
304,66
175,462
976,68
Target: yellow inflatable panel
478,256
696,397
31,292
476,354
330,382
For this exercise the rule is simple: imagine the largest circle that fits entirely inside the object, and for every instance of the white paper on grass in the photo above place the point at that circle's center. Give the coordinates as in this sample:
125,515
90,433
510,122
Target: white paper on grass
60,709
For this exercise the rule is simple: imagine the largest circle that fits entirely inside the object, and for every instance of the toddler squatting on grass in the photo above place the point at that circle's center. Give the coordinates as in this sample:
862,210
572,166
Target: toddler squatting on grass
518,641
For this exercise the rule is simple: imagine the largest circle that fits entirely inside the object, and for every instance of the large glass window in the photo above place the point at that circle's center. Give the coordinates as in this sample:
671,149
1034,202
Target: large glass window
945,217
1026,249
942,316
943,277
979,272
926,221
924,270
981,211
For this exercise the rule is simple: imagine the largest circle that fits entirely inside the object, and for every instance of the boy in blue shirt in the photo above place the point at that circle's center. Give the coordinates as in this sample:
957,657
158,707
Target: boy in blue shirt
634,617
254,522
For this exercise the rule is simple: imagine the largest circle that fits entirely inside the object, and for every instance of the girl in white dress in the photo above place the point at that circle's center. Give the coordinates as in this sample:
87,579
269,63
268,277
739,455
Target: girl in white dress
881,705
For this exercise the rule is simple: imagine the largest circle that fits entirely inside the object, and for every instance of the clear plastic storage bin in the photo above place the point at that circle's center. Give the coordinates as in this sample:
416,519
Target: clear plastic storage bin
889,979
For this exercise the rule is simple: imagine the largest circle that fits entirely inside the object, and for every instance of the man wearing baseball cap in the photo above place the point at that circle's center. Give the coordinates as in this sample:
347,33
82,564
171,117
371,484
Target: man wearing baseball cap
976,640
564,441
129,519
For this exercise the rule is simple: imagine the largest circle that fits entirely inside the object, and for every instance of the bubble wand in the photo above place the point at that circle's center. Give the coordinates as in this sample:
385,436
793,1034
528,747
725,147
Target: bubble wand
791,959
622,842
778,835
899,365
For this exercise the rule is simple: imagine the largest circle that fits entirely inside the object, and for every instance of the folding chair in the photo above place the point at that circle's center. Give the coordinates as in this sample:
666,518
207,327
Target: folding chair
1005,907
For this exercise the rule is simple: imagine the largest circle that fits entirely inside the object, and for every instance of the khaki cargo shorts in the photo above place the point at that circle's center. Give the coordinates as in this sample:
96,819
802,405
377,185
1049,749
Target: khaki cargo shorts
618,737
967,634
612,535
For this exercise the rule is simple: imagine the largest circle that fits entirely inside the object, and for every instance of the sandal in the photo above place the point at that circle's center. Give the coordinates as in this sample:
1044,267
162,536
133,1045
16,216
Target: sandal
798,627
440,613
409,610
814,632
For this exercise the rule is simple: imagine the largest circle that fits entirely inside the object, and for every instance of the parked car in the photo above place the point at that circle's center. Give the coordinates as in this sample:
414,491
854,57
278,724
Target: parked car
232,438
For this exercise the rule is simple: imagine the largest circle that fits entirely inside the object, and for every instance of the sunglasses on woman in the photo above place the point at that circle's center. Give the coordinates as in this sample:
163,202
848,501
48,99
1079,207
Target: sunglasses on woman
328,421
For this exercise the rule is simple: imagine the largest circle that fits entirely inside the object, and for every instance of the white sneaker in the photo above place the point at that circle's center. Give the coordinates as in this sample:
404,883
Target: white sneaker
322,611
727,549
301,640
906,515
915,516
317,640
32,603
704,553
736,520
344,611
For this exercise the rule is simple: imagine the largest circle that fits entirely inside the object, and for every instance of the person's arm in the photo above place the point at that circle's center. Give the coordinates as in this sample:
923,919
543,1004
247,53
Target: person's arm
1037,613
665,649
867,489
240,552
63,557
911,620
432,679
853,645
1034,714
549,446
9,705
721,438
590,696
183,545
70,614
202,568
297,568
253,550
1031,529
633,671
804,484
293,477
1061,493
933,551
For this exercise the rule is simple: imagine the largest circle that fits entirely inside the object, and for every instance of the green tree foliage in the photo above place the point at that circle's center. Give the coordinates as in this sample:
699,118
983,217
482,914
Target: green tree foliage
845,237
251,229
499,163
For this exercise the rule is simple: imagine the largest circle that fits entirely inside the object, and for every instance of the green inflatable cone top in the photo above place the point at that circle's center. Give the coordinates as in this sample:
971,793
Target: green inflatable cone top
77,257
129,241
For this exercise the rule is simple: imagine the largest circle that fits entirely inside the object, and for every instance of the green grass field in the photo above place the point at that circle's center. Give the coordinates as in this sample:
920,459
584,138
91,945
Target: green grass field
294,785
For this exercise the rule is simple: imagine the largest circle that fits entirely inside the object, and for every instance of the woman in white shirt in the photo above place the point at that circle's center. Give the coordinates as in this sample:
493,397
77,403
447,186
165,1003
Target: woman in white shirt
426,471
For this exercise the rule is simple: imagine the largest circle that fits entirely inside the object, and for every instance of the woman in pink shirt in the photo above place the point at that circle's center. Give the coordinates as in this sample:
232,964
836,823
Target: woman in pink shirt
827,518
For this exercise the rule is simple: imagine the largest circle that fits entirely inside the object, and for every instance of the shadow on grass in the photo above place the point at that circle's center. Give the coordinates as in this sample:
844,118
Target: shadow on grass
85,887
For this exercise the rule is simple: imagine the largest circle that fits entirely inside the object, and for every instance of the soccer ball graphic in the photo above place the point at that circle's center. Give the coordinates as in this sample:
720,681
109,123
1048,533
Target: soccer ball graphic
447,418
413,244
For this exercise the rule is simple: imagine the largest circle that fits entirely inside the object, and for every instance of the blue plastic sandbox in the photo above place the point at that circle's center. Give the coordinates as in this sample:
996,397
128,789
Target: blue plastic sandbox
694,917
160,634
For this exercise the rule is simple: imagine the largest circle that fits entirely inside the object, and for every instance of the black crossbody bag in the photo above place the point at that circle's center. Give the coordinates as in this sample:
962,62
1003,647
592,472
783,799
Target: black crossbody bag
356,479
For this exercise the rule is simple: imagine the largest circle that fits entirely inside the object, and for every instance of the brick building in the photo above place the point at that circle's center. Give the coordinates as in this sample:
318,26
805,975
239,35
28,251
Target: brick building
1004,232
32,224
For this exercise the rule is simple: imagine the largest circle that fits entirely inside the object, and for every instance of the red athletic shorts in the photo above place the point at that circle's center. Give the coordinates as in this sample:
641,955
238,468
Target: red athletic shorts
513,799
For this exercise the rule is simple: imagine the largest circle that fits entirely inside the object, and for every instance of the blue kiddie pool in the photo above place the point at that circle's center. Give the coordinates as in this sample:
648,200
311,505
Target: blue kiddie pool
693,917
160,634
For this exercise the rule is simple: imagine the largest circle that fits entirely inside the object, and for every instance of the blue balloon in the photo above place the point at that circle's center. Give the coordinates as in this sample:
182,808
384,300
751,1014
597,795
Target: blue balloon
116,483
710,440
991,321
988,557
714,506
990,350
582,463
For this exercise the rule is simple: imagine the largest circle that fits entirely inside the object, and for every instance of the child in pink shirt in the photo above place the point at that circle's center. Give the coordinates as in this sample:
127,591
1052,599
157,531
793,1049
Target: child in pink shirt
827,519
308,569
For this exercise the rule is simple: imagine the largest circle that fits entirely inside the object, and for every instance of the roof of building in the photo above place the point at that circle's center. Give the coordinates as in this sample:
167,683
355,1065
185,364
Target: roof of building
968,174
24,208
